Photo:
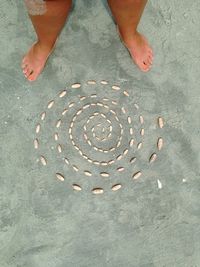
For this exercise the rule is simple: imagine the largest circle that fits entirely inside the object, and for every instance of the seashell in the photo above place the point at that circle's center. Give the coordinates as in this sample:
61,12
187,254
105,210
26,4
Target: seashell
115,87
152,158
64,111
36,143
104,82
59,148
96,162
43,115
99,104
58,123
137,175
43,161
89,160
141,119
75,168
118,144
104,163
126,93
63,93
104,174
105,99
131,143
66,160
132,159
120,169
129,120
50,104
88,173
111,161
71,104
136,106
119,157
86,106
123,110
38,127
160,122
93,96
76,85
97,191
76,187
125,151
139,145
114,102
60,177
131,131
159,184
70,130
116,187
142,132
76,147
56,136
82,97
160,143
91,82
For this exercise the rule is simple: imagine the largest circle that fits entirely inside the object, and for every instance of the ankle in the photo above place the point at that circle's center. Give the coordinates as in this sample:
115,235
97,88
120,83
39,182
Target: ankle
45,45
128,35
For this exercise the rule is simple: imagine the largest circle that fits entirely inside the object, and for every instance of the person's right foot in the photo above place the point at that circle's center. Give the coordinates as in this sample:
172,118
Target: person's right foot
34,61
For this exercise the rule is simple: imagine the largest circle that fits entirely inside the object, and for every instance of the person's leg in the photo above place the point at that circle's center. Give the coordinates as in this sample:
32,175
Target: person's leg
127,14
48,26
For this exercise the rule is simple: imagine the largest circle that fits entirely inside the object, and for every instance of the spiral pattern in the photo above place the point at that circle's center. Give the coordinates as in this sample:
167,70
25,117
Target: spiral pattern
88,128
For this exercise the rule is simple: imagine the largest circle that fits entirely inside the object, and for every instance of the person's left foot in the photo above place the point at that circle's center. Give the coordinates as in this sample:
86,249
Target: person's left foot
139,50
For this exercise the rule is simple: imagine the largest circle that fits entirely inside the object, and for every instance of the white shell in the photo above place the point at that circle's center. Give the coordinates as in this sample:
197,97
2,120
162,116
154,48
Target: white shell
104,82
43,161
56,136
160,122
60,177
125,151
43,115
115,87
88,173
91,82
123,110
129,120
153,157
64,111
126,93
132,159
139,145
76,187
71,104
104,174
36,143
137,175
76,85
131,131
141,119
136,106
38,127
58,123
66,160
50,104
63,93
120,169
131,143
142,132
119,157
59,148
159,184
97,191
116,187
75,168
160,143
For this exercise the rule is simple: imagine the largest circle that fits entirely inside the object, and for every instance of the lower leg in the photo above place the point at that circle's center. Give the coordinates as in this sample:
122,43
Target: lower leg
127,14
47,27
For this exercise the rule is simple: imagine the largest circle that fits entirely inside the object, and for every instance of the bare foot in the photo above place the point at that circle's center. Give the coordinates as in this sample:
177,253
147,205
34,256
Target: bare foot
34,61
140,51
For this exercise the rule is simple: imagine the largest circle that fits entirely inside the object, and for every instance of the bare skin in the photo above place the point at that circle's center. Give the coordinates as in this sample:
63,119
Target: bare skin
48,27
127,15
